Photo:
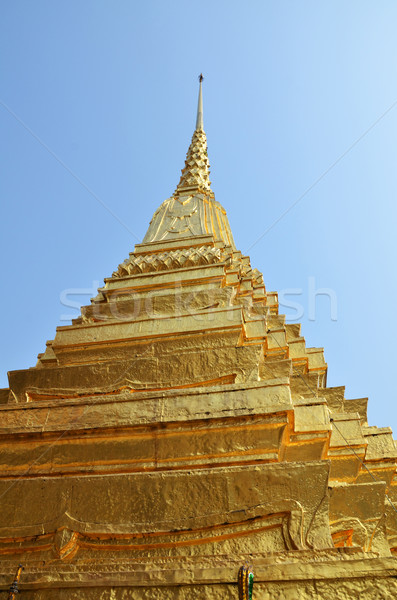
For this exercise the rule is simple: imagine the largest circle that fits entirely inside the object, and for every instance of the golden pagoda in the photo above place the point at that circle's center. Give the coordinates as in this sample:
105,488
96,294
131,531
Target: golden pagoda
180,428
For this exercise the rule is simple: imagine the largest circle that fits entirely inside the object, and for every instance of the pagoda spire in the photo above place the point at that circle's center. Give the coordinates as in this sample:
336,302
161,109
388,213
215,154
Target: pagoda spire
192,211
199,120
196,172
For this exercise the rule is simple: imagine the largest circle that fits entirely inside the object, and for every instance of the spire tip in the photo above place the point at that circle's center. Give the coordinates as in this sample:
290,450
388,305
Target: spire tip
199,120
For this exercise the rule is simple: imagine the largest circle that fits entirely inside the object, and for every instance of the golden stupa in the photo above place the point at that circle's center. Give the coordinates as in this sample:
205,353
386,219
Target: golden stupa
179,429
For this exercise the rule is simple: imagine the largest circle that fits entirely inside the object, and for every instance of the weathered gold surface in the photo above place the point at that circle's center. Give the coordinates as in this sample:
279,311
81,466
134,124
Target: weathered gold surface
180,427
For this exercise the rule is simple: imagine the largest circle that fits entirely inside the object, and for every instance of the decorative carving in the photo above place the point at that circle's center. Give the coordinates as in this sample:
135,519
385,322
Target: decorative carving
196,173
245,582
65,542
15,584
174,259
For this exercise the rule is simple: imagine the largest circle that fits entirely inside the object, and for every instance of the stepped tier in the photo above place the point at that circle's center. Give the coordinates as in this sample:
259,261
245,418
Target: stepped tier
180,426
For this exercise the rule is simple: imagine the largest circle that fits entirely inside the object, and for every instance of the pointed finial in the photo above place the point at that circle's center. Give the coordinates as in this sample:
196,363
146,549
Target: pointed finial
199,120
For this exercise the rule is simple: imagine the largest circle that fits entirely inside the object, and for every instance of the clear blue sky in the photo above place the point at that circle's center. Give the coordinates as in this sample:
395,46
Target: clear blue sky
110,88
